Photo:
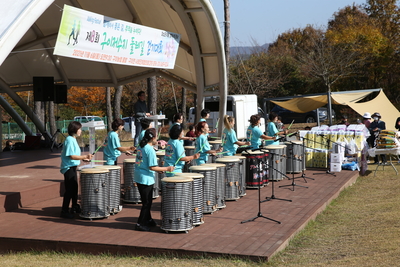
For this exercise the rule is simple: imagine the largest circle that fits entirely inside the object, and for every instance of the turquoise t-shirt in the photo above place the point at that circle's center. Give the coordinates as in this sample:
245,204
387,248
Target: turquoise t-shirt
202,119
145,158
175,123
228,142
253,134
111,153
173,151
202,146
271,131
70,148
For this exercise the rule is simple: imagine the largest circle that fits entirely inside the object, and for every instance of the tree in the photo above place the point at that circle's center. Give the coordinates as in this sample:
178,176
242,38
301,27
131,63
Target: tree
117,101
87,100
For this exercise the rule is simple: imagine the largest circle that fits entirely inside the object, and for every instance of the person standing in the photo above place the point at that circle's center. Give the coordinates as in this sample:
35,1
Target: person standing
70,159
178,120
140,112
205,114
254,133
202,145
375,128
272,130
175,152
146,165
366,119
230,142
113,148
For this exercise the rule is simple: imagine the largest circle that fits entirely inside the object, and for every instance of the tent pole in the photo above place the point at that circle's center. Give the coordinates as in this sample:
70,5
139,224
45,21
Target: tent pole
329,105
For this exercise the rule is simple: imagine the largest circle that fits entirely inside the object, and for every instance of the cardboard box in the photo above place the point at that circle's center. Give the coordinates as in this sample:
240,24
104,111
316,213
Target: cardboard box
336,167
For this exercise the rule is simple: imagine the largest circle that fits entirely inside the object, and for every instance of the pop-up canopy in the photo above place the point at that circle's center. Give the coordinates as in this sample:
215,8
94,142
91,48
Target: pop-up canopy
379,104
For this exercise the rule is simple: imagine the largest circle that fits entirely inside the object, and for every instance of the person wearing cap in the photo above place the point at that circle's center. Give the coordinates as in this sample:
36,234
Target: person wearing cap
375,127
366,119
344,120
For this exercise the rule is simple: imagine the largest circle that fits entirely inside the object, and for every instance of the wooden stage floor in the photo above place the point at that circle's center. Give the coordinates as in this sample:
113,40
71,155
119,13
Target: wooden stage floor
30,201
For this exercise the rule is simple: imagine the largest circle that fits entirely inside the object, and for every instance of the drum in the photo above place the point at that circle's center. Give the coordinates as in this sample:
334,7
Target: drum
209,173
215,144
189,151
220,180
114,180
242,174
176,204
130,187
197,195
232,177
265,164
277,161
94,193
254,168
294,162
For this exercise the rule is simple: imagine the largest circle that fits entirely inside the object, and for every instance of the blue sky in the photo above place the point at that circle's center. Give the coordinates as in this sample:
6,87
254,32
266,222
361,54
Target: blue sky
264,20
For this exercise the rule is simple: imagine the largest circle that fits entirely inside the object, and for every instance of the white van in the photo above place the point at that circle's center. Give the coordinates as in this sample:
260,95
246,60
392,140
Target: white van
90,121
241,107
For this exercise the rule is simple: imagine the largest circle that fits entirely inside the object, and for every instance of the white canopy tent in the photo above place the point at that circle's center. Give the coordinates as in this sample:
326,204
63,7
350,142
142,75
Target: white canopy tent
29,30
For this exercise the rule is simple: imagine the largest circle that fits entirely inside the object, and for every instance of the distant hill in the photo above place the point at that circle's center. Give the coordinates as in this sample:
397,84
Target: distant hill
247,50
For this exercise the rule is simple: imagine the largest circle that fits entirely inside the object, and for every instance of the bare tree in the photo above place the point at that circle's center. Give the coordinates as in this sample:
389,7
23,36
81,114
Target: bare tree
109,108
152,94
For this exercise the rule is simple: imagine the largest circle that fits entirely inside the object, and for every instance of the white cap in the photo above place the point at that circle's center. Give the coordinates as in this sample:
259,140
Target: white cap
367,115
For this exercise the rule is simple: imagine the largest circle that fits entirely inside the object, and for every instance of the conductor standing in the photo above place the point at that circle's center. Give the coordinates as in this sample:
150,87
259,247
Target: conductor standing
140,112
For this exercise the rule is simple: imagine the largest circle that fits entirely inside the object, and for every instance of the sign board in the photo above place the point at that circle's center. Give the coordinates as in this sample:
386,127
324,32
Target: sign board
90,36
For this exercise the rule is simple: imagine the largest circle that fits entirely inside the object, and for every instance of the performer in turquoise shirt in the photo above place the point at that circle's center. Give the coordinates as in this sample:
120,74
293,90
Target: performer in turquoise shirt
145,123
146,165
272,130
175,152
202,145
113,147
70,159
229,139
178,120
254,134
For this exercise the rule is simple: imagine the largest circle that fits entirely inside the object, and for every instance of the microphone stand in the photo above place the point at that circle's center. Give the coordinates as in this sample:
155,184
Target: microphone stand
259,214
303,161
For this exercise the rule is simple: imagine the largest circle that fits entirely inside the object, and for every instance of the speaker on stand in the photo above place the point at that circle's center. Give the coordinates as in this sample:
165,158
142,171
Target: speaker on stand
43,88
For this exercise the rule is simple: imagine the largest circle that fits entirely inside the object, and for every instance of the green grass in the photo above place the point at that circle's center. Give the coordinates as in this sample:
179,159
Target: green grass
359,228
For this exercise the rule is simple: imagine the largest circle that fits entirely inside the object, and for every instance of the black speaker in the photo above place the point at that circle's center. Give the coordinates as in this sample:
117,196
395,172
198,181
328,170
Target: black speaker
60,94
43,88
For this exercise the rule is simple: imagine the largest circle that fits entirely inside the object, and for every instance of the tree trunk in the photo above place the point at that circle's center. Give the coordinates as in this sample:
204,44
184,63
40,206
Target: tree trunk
52,118
109,108
152,94
39,111
184,106
227,22
117,101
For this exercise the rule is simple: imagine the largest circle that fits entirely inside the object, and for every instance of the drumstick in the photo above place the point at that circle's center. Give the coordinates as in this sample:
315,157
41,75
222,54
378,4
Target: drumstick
201,149
216,126
290,124
98,148
159,132
179,158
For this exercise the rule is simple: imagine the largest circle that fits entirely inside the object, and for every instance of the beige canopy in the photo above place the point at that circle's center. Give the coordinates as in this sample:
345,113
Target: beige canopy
379,104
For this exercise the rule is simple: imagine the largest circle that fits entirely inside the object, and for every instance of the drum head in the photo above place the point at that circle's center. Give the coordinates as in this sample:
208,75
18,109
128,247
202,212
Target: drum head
189,147
193,175
218,165
227,160
133,159
177,179
94,170
203,167
275,147
160,153
109,167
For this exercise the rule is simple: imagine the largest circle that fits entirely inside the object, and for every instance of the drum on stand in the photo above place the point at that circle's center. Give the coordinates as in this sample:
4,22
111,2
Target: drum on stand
197,195
265,164
254,168
242,173
277,162
132,194
295,154
114,180
209,173
220,180
94,193
232,177
176,204
189,151
215,144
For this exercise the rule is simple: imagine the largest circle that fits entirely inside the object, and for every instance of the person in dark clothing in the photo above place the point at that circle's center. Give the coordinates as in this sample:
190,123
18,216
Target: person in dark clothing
375,128
140,112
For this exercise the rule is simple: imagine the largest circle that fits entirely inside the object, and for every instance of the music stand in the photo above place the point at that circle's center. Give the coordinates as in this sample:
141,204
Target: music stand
54,139
293,184
273,181
259,214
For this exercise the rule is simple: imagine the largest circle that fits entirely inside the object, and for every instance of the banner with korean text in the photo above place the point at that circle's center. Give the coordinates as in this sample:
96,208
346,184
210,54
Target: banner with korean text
90,36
